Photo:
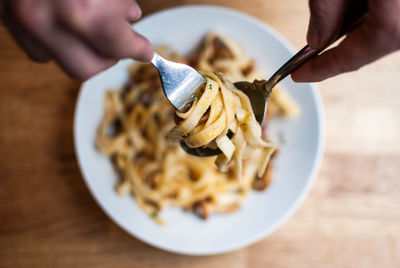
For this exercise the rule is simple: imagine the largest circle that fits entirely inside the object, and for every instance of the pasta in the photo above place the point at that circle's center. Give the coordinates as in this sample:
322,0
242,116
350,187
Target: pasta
220,111
139,131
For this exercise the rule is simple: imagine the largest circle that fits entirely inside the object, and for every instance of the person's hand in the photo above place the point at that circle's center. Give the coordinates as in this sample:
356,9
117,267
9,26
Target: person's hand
378,36
83,36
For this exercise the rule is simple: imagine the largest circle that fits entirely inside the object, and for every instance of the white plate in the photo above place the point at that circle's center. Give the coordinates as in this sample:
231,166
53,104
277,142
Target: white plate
262,213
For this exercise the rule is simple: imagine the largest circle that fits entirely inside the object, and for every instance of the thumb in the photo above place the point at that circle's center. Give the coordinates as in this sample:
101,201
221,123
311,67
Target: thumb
325,21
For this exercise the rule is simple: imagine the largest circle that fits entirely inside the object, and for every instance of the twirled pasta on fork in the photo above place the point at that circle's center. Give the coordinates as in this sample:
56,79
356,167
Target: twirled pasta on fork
220,112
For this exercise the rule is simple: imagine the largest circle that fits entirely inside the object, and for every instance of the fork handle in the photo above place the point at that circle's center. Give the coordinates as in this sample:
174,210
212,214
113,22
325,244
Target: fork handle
356,14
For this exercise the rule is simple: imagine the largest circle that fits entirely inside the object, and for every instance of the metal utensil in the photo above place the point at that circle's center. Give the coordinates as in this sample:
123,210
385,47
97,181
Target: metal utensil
180,82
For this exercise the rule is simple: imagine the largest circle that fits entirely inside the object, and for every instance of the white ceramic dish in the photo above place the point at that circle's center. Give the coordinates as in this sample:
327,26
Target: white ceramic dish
262,213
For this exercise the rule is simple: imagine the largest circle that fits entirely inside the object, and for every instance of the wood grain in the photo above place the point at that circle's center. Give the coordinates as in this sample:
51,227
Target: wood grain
350,219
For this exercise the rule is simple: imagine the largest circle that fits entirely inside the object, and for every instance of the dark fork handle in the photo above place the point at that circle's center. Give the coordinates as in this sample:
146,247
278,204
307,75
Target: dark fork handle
356,14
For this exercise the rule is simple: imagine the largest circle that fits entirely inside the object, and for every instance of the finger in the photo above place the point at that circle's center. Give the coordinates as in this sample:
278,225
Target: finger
75,58
107,30
116,39
119,40
367,43
73,55
325,21
32,46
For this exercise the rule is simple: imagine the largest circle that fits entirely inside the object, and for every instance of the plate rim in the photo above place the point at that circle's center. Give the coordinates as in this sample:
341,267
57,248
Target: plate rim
298,201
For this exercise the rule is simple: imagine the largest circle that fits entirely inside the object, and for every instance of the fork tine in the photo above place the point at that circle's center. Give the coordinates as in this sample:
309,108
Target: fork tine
180,82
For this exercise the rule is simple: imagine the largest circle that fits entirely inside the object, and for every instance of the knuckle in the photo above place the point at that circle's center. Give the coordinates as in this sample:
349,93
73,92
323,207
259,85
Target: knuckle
95,24
83,15
98,14
70,13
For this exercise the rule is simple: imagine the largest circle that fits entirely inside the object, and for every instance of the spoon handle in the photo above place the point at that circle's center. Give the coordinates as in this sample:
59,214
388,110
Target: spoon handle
356,14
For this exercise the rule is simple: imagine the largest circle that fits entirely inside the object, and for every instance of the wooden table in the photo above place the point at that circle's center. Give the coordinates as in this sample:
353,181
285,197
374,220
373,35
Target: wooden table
350,219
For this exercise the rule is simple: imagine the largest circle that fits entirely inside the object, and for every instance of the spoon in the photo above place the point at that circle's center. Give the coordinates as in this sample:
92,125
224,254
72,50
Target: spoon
259,91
